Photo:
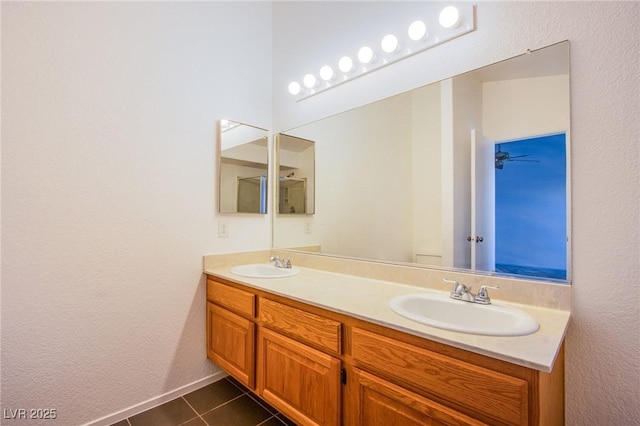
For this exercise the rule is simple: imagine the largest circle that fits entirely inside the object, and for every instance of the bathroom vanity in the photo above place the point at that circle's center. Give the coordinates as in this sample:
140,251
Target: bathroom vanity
331,345
325,352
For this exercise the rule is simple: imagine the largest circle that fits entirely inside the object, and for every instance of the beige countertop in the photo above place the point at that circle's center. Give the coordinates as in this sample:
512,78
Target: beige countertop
367,299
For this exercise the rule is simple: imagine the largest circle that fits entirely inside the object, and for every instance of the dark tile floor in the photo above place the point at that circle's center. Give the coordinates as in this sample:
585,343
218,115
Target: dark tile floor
225,402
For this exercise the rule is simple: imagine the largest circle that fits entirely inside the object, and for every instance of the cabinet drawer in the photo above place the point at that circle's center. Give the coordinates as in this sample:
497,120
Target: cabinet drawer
304,326
454,382
381,402
239,301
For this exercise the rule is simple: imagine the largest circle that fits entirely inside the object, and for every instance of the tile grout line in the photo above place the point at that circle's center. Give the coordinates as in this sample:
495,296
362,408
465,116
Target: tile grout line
274,416
258,401
243,393
237,386
198,415
261,403
223,404
194,410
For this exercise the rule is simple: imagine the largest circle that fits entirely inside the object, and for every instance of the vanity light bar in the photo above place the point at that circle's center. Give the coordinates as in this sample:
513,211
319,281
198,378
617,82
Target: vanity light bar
450,23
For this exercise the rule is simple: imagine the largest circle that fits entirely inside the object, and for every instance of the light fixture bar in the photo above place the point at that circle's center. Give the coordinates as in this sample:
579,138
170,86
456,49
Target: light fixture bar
435,34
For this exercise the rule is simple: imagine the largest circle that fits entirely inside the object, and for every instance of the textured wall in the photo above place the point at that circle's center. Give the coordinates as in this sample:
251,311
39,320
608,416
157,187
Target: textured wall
108,126
603,366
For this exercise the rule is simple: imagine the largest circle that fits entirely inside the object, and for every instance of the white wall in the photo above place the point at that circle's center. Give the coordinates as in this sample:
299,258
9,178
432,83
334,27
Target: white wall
108,123
603,367
344,184
426,170
522,108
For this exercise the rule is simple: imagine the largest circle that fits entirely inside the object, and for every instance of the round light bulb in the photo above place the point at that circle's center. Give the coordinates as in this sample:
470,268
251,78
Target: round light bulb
449,17
365,55
309,81
389,43
294,88
345,64
326,73
417,30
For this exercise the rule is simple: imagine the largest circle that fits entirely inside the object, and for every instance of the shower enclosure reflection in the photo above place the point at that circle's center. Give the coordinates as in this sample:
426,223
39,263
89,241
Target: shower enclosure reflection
296,175
243,168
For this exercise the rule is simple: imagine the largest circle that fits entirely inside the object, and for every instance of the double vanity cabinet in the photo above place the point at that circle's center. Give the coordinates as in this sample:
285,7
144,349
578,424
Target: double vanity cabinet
324,367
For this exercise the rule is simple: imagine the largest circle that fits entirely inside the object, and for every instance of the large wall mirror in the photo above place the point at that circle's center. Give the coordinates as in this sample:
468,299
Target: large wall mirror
243,168
467,173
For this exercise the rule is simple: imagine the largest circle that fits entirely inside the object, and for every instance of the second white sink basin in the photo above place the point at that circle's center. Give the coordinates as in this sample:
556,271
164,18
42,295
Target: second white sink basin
263,270
443,312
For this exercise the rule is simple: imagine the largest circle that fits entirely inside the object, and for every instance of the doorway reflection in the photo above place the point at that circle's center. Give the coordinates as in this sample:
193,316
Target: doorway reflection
530,207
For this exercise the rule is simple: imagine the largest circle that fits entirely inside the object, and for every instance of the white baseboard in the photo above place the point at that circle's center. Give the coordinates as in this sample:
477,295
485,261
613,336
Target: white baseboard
159,400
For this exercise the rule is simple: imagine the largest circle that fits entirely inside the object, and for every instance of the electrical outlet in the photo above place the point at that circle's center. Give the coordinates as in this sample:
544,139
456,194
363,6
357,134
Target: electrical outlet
307,228
223,229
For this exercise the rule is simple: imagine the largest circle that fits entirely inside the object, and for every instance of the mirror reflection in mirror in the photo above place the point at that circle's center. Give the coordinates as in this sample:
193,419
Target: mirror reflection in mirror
296,175
469,173
243,168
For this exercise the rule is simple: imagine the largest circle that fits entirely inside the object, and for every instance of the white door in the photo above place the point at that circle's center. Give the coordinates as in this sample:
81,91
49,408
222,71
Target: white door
482,235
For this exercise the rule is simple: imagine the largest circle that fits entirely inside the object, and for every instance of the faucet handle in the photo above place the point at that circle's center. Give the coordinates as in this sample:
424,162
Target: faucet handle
483,295
458,288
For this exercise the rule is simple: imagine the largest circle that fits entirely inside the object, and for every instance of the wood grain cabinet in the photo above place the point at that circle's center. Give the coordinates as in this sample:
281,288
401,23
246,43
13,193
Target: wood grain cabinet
231,331
378,401
482,392
302,382
325,368
230,343
294,376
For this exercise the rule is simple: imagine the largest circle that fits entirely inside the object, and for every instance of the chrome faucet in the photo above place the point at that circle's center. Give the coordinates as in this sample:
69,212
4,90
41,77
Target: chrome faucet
463,292
460,291
483,295
280,263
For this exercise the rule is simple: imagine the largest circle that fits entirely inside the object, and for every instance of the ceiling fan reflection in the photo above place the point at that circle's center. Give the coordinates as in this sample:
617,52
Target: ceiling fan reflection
502,156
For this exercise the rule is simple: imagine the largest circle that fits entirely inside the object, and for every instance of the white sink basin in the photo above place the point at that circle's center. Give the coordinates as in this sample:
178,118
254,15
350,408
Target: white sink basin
263,270
443,312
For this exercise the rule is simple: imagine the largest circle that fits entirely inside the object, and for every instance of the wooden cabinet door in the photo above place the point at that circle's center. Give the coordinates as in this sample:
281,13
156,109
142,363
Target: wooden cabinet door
378,402
451,381
300,381
231,343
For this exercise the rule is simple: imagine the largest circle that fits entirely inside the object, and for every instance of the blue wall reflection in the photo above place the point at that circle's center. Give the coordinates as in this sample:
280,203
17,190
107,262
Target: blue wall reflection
531,210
